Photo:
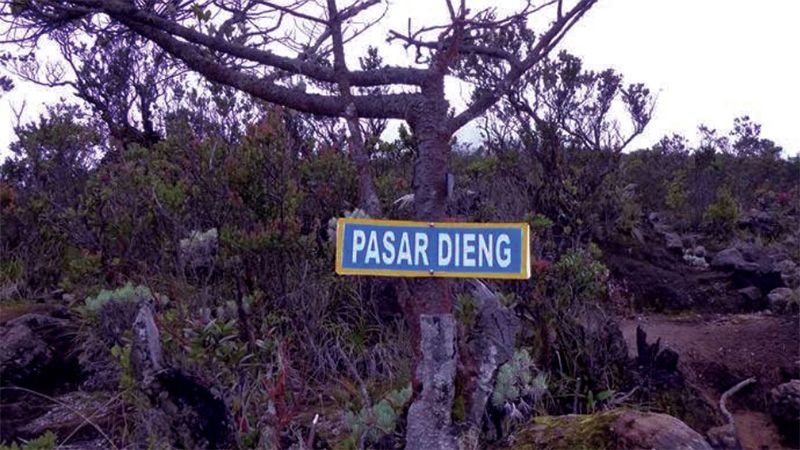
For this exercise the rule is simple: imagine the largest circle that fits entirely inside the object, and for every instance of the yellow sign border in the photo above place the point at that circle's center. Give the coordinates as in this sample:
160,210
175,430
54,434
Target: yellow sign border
523,274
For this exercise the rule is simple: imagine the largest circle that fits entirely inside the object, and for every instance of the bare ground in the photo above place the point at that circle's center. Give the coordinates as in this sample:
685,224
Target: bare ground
718,351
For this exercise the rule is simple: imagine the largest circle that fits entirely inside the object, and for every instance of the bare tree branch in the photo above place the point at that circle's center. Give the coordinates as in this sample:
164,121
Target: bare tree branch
546,42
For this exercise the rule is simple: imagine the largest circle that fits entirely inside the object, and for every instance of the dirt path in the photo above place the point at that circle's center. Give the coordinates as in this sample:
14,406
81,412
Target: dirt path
717,351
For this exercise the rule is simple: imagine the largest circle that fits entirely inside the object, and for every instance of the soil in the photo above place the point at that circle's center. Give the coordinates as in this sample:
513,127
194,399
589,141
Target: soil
718,351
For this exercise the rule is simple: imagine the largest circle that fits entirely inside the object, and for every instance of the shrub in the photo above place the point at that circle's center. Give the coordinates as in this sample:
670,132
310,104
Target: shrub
128,294
723,213
676,199
579,277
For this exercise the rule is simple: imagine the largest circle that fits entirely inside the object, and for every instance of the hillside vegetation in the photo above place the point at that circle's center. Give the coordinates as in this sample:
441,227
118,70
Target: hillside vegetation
225,232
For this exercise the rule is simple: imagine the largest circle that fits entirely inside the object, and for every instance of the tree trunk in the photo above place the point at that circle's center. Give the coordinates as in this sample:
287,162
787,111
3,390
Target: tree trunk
428,305
429,123
429,416
367,194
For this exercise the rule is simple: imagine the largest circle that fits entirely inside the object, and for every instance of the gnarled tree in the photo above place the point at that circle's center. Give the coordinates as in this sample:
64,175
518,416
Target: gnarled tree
293,53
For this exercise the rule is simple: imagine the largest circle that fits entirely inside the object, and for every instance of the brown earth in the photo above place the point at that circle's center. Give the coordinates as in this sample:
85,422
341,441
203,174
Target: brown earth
718,351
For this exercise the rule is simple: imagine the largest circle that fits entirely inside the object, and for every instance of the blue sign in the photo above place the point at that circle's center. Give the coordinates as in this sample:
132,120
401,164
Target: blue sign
437,249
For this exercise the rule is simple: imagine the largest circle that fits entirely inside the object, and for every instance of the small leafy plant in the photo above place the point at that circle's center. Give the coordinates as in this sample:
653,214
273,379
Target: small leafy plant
515,380
127,293
372,423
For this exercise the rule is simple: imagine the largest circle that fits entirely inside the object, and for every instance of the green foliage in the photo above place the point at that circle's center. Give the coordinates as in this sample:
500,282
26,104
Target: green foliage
81,266
723,213
127,293
676,195
567,432
569,335
40,185
515,379
485,166
593,399
216,341
581,277
127,381
268,321
540,223
11,270
374,422
330,178
47,441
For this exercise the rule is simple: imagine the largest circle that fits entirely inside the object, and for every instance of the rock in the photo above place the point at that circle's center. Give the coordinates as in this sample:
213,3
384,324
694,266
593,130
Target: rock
604,343
146,360
696,257
783,404
614,429
637,430
760,222
192,415
751,265
36,353
659,222
491,344
784,300
654,218
790,371
657,361
34,347
732,258
18,408
790,273
429,416
662,280
23,355
673,242
751,294
723,437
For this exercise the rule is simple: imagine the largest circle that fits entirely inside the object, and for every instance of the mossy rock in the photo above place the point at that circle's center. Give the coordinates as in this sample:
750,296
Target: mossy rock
613,430
566,432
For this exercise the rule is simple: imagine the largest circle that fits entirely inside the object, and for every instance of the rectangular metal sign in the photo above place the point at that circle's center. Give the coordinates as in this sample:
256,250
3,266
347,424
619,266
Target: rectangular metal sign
437,249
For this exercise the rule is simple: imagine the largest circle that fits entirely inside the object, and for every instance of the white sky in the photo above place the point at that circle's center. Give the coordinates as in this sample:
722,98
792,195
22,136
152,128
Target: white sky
708,61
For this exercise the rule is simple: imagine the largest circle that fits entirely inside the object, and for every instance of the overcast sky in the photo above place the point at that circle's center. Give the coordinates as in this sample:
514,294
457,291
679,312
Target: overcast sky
708,61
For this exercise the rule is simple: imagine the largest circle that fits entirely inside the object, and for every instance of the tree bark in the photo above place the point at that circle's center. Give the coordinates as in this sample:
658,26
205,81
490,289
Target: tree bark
428,121
428,305
429,417
368,198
